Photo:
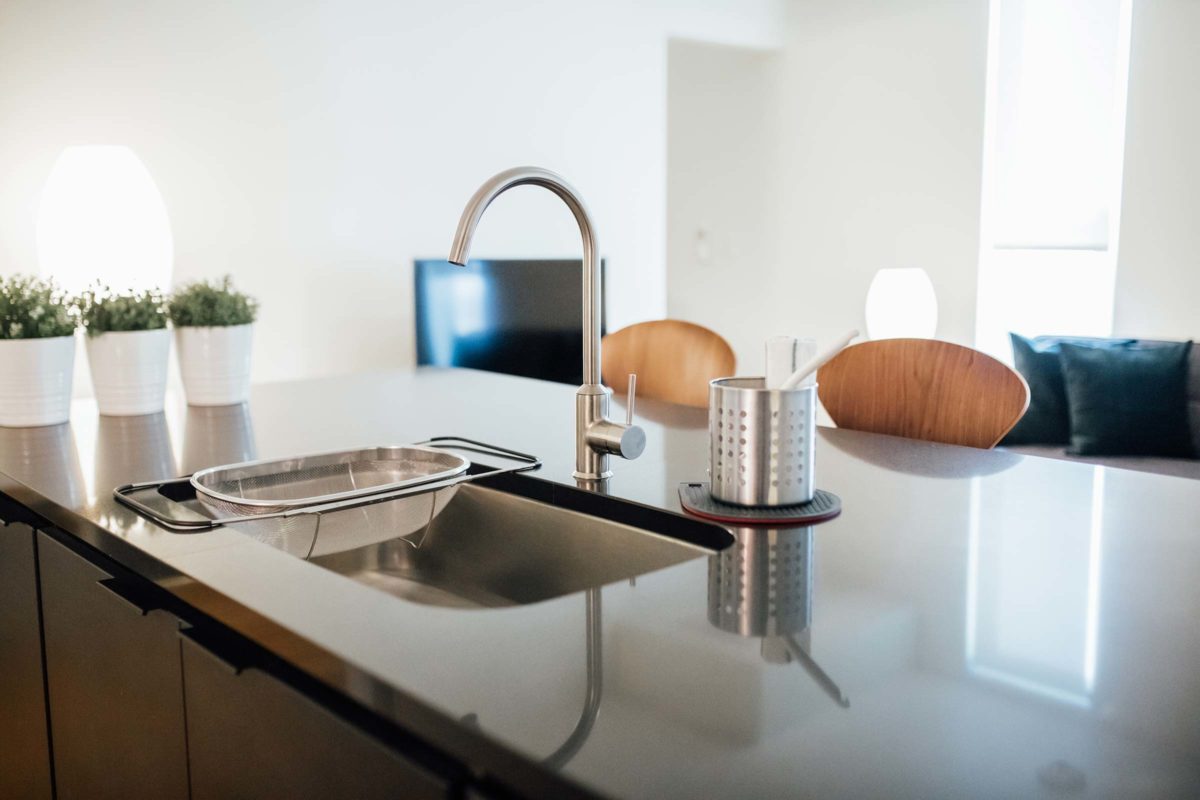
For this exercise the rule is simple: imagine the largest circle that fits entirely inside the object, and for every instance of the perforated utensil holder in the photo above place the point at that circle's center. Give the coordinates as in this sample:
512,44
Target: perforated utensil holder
761,442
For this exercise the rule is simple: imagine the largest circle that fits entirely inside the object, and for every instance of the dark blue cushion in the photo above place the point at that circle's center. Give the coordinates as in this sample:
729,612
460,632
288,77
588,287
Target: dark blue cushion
1047,420
1130,401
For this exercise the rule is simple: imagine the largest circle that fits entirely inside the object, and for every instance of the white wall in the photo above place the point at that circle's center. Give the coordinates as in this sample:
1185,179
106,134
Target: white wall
1158,265
720,155
876,161
880,132
314,149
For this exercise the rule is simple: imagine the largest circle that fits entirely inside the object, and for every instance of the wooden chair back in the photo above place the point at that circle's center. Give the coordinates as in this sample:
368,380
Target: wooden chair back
674,360
923,389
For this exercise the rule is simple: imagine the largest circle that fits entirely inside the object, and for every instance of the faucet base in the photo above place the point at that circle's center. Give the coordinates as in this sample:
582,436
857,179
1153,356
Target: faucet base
591,407
597,437
583,476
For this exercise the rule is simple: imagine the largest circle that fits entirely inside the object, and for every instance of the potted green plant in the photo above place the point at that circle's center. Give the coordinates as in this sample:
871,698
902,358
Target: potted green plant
37,353
127,347
214,329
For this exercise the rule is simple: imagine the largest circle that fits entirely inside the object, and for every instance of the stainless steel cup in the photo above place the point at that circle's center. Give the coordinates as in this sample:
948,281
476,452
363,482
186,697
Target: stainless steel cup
761,442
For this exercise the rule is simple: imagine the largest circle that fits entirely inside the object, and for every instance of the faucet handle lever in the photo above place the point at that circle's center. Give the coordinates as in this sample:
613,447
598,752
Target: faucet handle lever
608,436
630,397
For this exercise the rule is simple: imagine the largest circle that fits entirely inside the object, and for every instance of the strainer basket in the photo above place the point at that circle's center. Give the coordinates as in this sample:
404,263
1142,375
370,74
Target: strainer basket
270,486
355,523
326,503
761,442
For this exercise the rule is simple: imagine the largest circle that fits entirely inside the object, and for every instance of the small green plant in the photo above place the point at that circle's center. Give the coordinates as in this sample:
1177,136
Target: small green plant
210,304
102,310
31,308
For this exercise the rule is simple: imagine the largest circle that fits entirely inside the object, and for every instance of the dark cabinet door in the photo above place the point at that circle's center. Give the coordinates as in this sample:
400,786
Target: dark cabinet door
24,748
115,684
251,735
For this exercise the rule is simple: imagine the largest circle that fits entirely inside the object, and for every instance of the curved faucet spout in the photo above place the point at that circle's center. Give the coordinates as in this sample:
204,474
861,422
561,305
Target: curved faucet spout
596,436
536,176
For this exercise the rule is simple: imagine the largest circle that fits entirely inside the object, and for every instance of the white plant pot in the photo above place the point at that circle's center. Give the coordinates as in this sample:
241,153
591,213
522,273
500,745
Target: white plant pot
129,371
215,364
35,381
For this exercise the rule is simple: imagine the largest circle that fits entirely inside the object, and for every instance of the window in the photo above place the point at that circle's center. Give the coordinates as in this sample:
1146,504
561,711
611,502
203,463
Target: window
1054,135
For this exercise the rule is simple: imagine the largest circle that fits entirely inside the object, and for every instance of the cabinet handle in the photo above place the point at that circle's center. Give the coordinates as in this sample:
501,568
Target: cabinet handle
121,593
233,664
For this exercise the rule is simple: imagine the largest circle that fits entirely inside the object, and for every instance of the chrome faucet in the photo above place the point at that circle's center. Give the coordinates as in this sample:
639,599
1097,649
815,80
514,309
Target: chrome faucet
596,436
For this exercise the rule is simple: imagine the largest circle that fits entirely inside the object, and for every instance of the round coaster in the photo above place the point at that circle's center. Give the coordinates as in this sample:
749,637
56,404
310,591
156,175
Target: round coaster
696,499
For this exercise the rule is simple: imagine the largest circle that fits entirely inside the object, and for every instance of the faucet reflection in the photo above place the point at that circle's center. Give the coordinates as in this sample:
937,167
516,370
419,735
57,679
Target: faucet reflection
591,701
595,684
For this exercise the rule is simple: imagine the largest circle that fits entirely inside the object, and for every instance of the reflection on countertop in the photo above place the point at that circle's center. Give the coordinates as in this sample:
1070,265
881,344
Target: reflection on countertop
997,622
138,446
762,587
216,435
47,459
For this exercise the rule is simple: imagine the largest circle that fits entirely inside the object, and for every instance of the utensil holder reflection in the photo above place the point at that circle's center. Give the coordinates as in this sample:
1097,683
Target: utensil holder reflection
761,442
762,584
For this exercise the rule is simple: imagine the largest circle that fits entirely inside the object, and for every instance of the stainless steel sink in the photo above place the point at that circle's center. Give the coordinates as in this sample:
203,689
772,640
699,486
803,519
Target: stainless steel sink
496,548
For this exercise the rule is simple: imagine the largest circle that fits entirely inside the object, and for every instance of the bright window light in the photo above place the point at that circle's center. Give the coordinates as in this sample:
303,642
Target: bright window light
1057,82
1033,582
102,217
1053,155
1035,292
901,304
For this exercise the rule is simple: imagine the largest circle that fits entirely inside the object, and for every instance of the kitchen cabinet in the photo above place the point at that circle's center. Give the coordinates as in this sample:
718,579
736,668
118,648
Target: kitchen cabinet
108,691
24,746
114,681
252,735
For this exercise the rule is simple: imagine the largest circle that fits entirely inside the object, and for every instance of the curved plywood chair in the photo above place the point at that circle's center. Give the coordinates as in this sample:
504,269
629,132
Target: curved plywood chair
923,389
674,360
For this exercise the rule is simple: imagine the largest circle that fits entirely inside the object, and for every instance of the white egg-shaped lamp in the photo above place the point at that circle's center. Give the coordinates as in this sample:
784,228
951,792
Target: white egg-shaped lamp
102,217
901,304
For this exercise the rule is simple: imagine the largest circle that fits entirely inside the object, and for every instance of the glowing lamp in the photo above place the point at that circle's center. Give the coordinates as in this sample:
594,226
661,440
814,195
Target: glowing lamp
901,304
102,217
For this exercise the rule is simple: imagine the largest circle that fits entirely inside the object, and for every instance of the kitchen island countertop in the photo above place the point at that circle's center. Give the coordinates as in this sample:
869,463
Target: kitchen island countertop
1002,625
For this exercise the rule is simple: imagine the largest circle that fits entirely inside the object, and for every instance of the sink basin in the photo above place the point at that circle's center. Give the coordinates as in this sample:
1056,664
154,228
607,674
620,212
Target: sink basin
507,539
491,548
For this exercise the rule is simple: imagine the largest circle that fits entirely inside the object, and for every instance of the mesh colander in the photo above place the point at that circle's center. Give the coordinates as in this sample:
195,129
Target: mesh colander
314,505
271,486
350,527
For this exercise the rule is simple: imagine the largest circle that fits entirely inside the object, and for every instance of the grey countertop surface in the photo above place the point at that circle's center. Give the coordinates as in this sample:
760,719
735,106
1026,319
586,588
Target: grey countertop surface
1003,626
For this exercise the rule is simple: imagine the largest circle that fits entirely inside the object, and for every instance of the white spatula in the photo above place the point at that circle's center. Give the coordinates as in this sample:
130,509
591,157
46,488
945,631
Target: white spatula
817,362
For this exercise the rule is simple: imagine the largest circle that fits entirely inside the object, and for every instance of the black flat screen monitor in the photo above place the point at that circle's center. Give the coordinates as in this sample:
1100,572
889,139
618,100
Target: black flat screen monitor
517,316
